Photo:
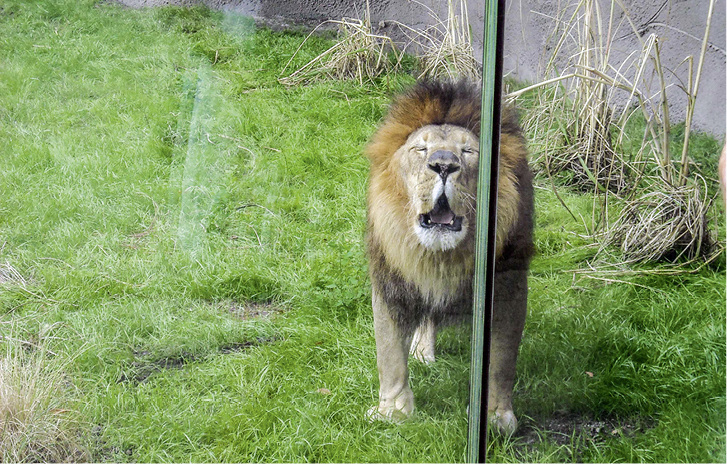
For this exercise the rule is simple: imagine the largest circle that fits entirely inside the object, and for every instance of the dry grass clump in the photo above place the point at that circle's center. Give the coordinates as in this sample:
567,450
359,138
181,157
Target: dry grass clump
10,276
36,422
446,46
666,224
587,154
444,50
577,134
358,54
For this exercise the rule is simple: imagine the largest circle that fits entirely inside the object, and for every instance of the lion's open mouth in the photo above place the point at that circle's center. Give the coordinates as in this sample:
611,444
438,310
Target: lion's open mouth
441,216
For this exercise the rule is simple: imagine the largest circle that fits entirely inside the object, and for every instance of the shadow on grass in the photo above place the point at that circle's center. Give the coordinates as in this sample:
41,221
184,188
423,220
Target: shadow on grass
147,364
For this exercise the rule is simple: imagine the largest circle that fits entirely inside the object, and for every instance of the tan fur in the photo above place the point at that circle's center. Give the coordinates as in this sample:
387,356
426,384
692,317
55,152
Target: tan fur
416,278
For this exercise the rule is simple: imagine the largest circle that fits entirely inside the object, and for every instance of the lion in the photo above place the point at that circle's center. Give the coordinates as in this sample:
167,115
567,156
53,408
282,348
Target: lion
421,238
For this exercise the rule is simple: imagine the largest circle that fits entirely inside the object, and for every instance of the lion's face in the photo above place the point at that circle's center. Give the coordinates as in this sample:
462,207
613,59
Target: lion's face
439,167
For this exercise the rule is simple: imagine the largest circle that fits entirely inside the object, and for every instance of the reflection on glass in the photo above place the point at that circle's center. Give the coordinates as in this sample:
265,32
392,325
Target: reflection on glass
183,267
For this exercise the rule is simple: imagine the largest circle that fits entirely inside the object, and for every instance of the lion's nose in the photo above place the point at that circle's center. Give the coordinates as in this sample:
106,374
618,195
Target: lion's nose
444,163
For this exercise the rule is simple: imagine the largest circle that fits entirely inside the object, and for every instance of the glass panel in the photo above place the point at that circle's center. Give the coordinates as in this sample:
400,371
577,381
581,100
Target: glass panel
485,250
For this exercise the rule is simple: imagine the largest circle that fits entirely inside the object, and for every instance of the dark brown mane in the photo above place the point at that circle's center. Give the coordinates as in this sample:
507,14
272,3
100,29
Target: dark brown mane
431,102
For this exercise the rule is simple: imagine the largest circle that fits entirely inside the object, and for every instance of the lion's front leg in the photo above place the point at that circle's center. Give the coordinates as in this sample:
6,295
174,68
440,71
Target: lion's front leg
508,320
422,344
396,400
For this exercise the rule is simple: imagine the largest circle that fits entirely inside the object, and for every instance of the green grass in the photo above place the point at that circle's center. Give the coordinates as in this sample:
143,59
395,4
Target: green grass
156,181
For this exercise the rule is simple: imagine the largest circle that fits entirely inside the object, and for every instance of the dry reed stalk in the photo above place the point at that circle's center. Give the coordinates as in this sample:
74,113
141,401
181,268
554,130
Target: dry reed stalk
583,144
692,90
591,155
9,275
358,54
591,84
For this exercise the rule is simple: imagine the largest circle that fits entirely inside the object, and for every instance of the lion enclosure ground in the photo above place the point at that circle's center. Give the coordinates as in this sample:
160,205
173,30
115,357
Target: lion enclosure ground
181,248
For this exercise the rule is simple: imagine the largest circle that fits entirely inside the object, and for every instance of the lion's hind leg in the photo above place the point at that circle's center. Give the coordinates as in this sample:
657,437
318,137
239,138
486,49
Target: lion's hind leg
422,344
508,320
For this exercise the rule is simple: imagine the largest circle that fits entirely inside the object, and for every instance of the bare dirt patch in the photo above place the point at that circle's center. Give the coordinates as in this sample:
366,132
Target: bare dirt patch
146,365
249,310
239,347
578,430
105,453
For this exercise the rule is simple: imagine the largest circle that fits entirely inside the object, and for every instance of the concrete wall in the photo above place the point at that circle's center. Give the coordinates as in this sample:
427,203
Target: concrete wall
529,23
680,25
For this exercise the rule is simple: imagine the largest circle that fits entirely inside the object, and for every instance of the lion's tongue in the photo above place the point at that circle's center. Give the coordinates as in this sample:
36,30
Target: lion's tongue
441,216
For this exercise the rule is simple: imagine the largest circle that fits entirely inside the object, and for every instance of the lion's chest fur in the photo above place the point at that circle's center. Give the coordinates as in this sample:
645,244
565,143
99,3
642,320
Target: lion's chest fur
436,276
433,284
412,279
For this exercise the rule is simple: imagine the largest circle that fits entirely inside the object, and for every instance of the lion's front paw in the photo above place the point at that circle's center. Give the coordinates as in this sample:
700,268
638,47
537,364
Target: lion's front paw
503,421
396,410
388,415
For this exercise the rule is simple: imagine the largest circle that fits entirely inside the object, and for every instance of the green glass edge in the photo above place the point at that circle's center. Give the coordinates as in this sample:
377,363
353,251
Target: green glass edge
489,54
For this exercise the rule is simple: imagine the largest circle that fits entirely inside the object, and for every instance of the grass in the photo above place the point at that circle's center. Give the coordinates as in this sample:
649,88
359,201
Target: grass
193,232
